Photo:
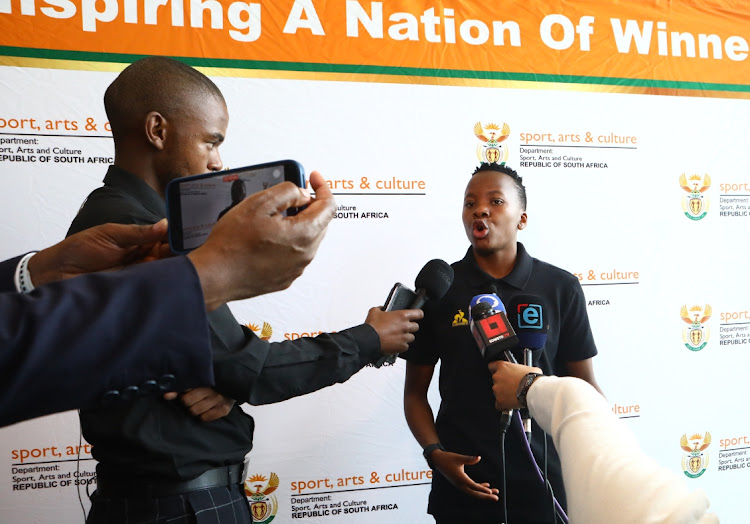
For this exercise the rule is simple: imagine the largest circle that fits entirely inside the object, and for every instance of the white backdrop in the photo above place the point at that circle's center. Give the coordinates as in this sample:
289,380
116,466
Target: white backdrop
624,217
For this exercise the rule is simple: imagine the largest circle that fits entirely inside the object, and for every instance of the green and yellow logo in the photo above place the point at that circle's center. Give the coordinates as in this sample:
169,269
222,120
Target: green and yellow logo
263,505
695,459
695,203
490,149
696,334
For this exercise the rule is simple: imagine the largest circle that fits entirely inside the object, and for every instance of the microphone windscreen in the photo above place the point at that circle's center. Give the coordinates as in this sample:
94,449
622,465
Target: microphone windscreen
528,316
490,298
479,309
435,278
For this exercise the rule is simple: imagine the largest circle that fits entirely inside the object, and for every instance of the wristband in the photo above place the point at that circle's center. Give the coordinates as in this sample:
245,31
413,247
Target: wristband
523,387
427,451
22,277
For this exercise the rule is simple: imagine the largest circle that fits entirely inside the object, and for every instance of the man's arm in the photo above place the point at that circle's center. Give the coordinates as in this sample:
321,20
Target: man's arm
252,250
88,327
261,372
421,422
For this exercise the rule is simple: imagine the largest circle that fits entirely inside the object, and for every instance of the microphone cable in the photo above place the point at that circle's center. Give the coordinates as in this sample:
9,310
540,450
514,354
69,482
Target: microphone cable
505,500
505,421
558,512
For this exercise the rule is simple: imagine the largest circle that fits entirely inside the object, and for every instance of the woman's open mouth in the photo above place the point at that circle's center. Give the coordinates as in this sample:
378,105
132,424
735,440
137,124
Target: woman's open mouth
480,229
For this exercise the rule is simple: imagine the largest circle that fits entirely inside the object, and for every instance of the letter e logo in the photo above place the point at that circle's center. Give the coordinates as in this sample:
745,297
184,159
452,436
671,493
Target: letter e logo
530,316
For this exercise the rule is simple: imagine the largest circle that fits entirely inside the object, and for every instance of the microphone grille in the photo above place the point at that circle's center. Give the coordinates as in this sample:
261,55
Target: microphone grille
435,278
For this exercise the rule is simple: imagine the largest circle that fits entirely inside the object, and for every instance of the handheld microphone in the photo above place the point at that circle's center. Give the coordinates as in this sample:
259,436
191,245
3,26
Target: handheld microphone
528,317
432,283
491,329
494,336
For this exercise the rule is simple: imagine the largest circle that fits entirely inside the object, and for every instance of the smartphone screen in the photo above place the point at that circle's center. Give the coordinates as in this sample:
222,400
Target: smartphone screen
196,203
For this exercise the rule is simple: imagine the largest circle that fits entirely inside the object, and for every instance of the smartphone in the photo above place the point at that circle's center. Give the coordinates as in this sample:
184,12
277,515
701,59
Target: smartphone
196,203
400,297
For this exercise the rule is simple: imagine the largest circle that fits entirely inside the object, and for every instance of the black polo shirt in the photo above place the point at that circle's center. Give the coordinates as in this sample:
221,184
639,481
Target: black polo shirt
467,421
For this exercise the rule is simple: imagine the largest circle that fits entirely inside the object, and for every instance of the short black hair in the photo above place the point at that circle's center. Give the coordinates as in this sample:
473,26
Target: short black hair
154,83
512,173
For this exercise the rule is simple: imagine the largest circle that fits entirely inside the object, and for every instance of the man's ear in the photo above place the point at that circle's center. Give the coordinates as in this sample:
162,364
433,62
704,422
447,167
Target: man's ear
522,222
156,129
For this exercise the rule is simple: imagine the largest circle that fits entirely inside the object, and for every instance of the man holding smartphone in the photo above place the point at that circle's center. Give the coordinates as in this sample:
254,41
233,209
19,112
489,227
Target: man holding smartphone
75,291
155,459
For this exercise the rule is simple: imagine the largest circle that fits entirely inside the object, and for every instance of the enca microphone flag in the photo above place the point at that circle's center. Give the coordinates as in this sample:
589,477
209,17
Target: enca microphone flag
528,316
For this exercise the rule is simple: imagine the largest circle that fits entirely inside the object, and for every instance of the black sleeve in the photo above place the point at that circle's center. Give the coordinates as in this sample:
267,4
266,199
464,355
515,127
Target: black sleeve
7,273
261,372
423,350
576,339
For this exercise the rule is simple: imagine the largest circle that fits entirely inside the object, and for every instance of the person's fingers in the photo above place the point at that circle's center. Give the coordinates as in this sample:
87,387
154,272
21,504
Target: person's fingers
275,199
132,235
320,186
319,213
413,314
481,492
194,396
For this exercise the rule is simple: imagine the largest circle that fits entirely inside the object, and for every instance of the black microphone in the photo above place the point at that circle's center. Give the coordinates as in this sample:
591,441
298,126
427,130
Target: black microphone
494,336
528,317
432,283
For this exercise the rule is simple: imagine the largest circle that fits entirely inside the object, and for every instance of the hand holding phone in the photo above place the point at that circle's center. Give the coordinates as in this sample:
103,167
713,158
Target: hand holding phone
255,249
196,203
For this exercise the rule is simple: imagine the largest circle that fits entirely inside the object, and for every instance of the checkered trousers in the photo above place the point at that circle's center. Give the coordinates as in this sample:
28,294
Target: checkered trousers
217,505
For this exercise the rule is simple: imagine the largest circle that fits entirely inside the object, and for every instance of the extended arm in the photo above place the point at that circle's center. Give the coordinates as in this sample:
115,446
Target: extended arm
420,419
262,373
607,476
87,327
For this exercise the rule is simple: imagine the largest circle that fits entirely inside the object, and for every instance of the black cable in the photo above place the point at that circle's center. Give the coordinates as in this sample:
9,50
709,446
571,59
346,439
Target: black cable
506,417
505,501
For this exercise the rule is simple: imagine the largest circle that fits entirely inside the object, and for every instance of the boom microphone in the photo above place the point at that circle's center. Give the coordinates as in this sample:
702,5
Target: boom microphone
432,283
528,316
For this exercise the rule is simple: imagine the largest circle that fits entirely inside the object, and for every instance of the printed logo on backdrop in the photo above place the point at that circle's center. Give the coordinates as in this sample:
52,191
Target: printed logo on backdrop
696,334
490,149
265,333
695,204
263,505
695,459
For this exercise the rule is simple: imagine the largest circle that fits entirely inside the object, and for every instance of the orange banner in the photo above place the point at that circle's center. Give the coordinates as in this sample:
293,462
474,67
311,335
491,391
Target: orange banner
687,45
